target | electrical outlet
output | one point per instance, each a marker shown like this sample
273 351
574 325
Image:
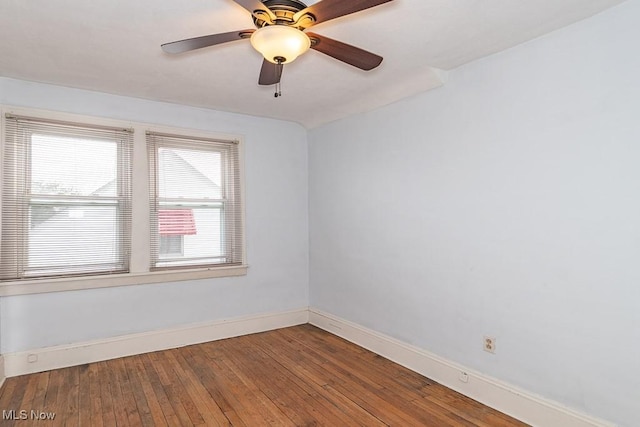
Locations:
464 377
489 344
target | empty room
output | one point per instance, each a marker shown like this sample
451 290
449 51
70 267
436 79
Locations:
320 212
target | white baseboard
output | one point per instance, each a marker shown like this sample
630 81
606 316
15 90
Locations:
504 397
62 356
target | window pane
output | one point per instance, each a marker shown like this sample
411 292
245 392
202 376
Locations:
191 174
73 238
171 246
202 246
73 166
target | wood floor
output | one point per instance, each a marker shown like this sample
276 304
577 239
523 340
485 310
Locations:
299 376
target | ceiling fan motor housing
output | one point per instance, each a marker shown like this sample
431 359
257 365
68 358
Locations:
284 10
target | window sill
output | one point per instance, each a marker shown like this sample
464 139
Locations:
39 286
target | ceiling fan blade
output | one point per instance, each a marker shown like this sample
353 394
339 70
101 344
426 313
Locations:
205 41
325 10
256 5
270 73
346 53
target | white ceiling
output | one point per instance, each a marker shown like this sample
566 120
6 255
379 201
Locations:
114 46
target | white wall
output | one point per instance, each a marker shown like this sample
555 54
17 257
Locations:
276 233
506 203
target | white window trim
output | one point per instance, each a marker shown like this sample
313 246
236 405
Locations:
140 260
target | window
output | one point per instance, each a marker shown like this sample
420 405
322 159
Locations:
195 207
69 220
66 199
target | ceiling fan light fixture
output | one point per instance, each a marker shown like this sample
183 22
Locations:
280 44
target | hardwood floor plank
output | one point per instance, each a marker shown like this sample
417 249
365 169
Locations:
214 386
84 396
29 392
71 386
386 374
143 385
329 399
95 400
212 413
363 392
51 396
266 409
103 373
269 379
280 390
129 404
171 388
42 383
298 376
161 397
115 390
240 394
18 393
7 391
361 388
142 404
12 396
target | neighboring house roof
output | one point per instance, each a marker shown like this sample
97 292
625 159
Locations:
183 176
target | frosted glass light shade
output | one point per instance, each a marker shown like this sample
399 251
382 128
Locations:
280 41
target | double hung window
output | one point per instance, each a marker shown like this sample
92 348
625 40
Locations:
67 209
66 199
195 204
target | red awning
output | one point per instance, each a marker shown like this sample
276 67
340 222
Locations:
176 222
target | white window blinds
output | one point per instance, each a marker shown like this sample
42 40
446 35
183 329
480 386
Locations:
66 199
195 202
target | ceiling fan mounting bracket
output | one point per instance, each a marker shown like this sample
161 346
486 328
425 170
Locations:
284 10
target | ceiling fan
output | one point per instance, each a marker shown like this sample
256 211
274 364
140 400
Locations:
281 34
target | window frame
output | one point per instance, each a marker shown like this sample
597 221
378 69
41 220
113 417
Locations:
140 250
23 148
228 150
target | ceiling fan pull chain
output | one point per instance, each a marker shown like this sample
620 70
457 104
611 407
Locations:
278 66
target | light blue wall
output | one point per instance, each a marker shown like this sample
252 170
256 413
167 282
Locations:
276 233
506 203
